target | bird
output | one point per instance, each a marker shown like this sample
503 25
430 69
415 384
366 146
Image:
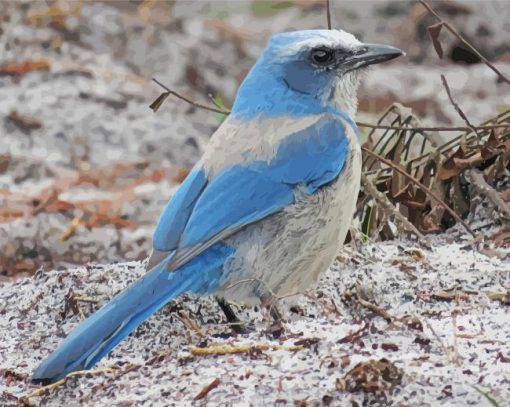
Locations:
264 211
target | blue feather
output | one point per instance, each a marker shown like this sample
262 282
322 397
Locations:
99 333
236 197
246 193
173 220
312 157
277 86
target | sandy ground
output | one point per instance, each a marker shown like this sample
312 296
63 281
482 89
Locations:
445 334
92 114
440 339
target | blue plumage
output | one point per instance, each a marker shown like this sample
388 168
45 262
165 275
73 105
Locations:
176 214
237 196
248 192
283 83
98 334
270 201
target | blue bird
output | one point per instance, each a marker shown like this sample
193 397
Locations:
266 208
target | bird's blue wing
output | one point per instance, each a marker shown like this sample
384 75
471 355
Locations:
173 220
247 192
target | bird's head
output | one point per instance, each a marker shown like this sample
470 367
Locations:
308 72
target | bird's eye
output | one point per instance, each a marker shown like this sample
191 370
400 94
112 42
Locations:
322 56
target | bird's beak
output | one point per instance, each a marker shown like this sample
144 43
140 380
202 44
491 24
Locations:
368 54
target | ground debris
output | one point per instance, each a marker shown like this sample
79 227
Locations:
24 122
24 67
372 376
207 388
300 364
248 348
503 298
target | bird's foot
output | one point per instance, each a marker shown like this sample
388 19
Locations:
239 327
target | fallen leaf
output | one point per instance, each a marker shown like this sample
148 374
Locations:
373 376
25 123
415 253
207 388
449 168
22 68
5 160
390 347
434 31
159 101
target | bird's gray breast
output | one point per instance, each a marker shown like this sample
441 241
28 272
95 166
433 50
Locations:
286 252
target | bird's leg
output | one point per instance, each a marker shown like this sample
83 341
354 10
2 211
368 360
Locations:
232 318
275 314
276 328
269 303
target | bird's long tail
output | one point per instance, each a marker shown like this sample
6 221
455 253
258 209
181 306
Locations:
98 334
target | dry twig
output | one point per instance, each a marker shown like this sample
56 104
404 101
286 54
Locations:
478 182
328 14
244 348
450 28
157 103
190 324
423 187
206 389
388 206
374 308
443 128
457 107
72 303
44 389
503 298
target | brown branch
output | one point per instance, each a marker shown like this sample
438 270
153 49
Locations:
382 127
206 389
188 323
423 187
477 179
457 107
360 124
328 14
187 100
242 348
375 309
44 389
388 206
464 41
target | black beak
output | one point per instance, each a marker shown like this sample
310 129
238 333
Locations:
368 54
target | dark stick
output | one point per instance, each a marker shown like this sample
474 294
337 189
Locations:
380 126
360 124
191 102
328 14
232 318
275 313
464 41
457 107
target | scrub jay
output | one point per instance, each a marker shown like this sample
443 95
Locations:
266 208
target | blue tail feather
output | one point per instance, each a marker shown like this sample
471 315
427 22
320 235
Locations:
99 333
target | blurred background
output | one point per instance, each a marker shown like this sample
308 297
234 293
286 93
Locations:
86 167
